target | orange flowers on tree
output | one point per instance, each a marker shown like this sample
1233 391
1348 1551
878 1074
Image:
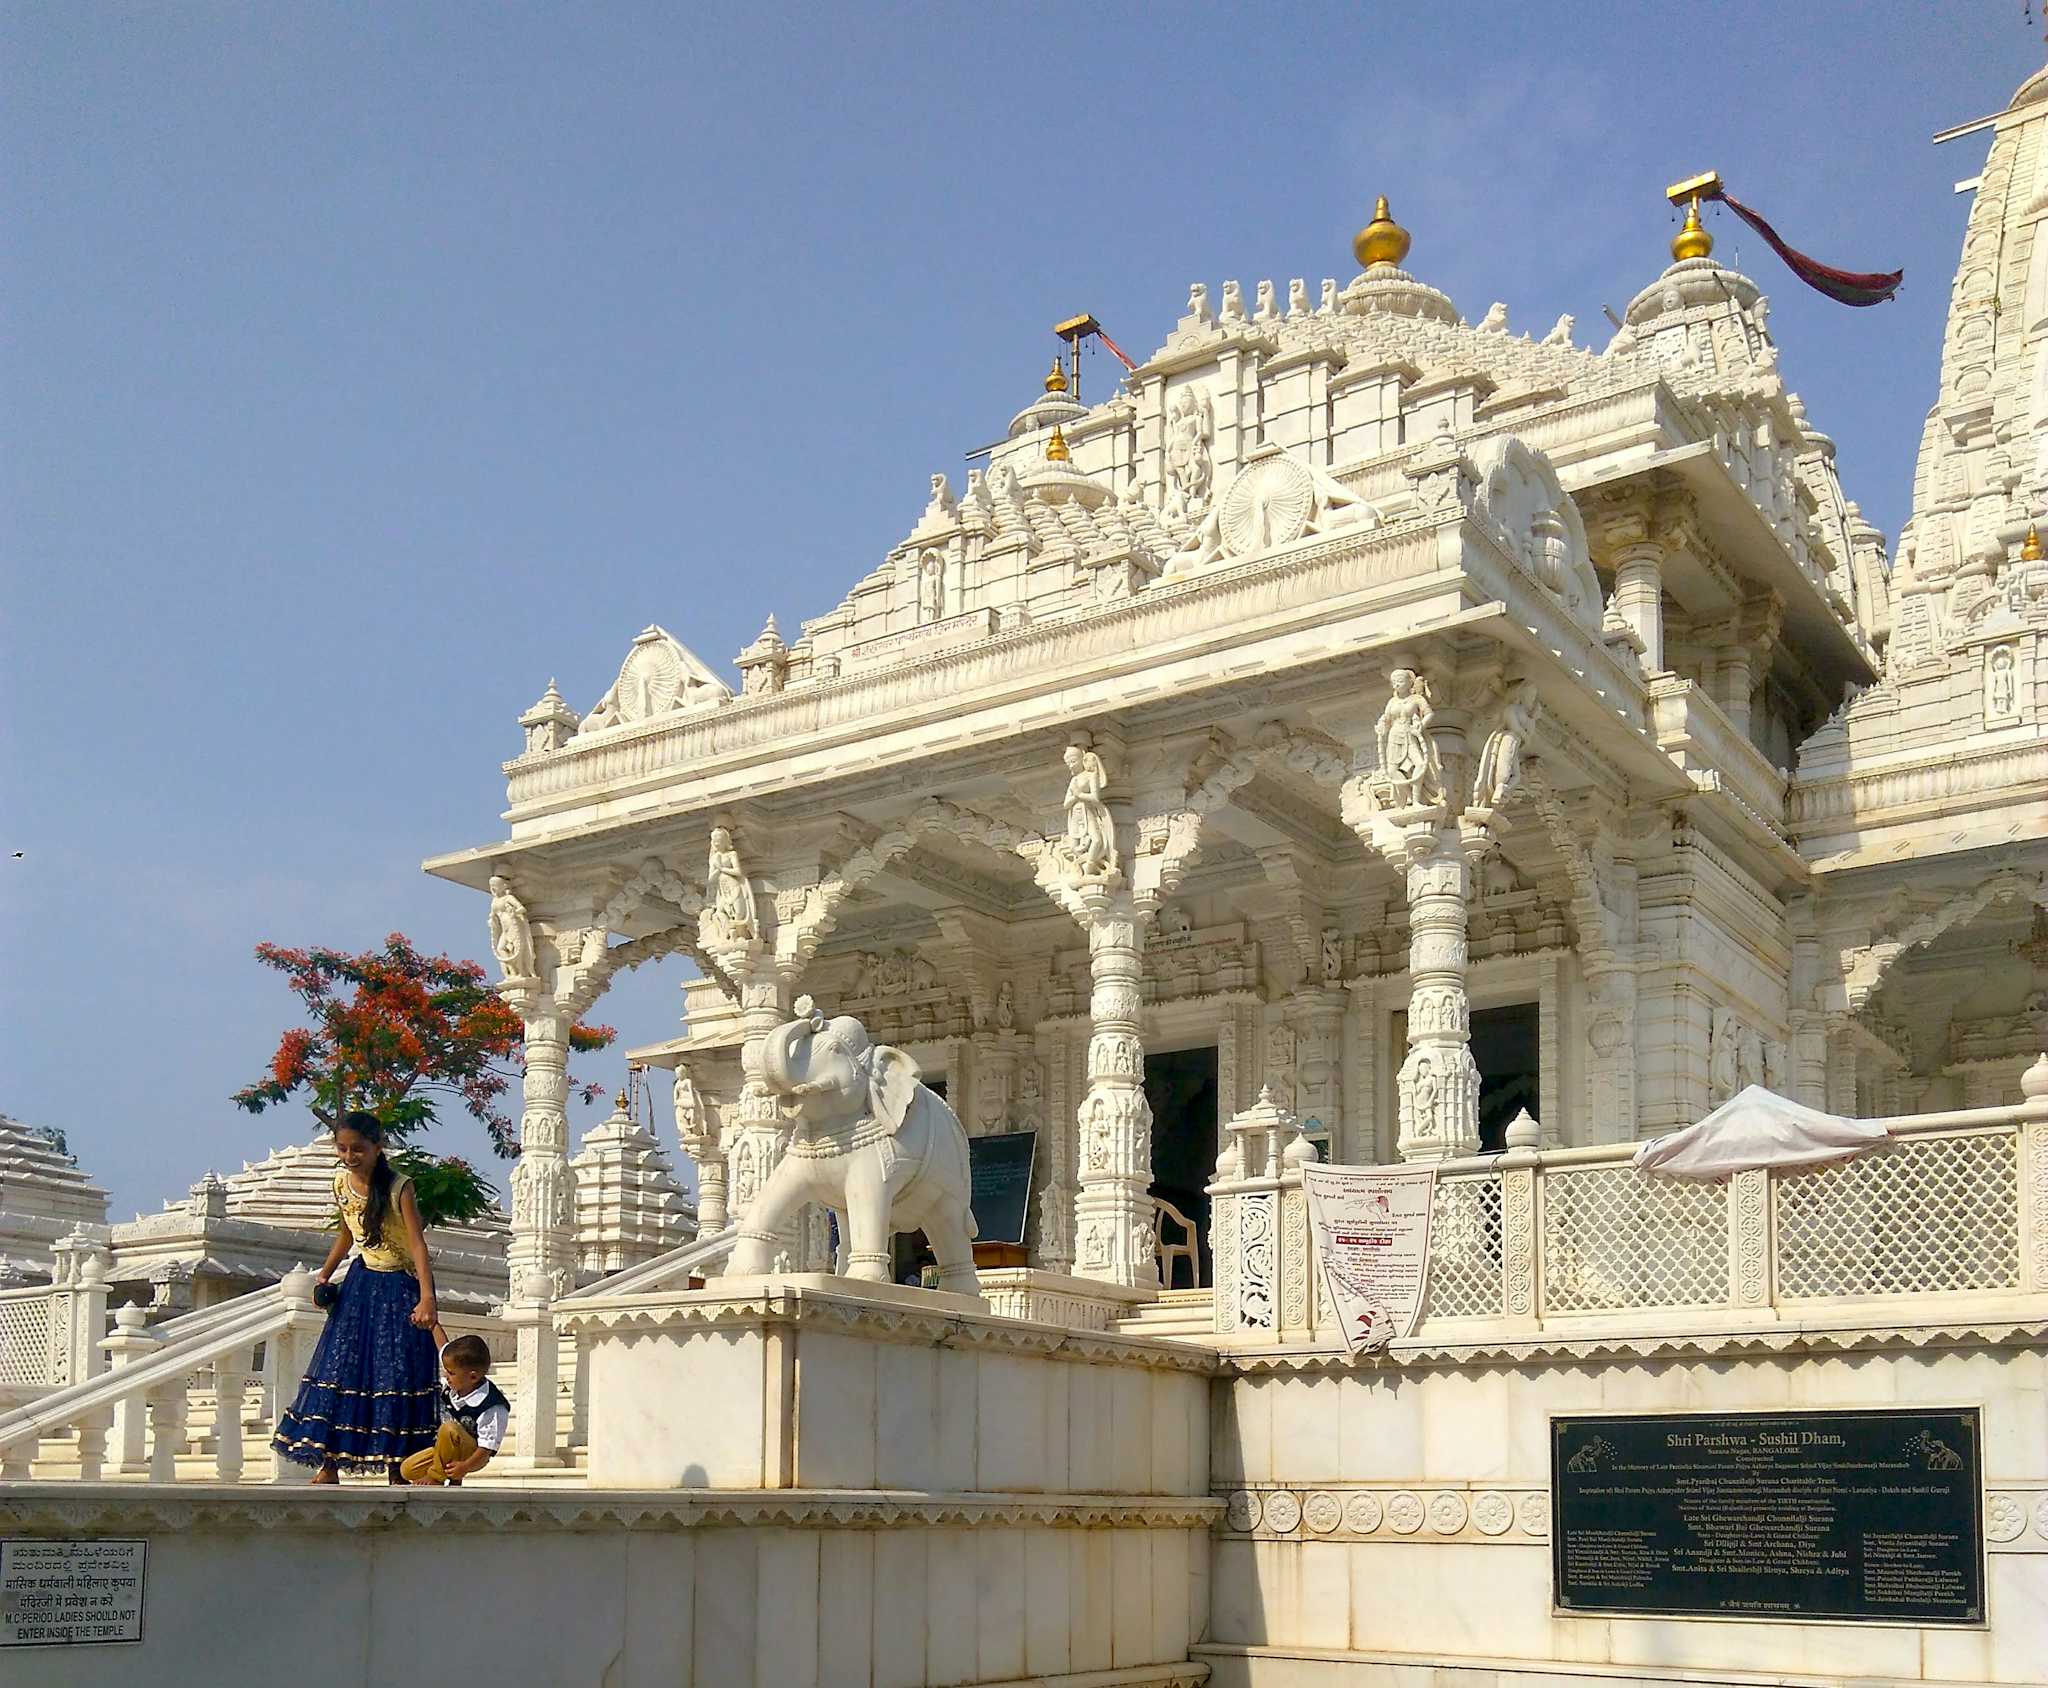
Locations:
399 1034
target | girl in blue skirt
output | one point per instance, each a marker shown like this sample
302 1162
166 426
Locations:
369 1397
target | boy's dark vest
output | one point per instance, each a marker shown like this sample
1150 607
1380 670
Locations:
453 1412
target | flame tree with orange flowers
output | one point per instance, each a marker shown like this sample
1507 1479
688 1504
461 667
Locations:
399 1034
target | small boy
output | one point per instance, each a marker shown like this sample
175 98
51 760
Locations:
474 1415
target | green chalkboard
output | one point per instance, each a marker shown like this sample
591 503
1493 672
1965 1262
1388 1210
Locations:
1000 1193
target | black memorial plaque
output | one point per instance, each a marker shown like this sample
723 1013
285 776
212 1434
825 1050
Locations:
1000 1188
1871 1514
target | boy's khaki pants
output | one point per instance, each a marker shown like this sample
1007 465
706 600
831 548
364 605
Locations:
430 1465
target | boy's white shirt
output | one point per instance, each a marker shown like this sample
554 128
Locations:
490 1425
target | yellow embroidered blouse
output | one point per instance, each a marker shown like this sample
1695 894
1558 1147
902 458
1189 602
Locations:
388 1252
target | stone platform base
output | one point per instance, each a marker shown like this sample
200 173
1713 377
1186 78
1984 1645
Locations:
812 1382
1275 1667
361 1589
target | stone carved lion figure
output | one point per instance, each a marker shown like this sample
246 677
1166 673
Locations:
871 1142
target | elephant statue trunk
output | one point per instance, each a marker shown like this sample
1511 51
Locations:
872 1142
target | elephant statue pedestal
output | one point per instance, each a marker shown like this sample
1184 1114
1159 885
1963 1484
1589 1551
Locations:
871 1142
809 1381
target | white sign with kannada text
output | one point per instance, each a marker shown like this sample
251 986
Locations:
64 1593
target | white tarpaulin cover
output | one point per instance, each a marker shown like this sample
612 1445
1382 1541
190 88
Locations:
1753 1128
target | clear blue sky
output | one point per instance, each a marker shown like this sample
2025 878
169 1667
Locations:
365 365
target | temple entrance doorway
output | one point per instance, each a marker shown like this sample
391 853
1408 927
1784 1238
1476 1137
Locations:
1180 1088
1507 1048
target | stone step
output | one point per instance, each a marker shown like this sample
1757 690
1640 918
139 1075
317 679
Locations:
1176 1313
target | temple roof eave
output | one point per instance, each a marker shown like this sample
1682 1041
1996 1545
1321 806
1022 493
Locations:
1037 678
1746 537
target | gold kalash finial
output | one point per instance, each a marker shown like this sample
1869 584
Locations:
1381 241
1056 448
2030 552
1056 381
1692 241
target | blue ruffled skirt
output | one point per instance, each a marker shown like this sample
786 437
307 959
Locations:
371 1395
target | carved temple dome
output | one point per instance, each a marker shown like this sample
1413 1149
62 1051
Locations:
1382 285
1055 409
1687 283
1057 481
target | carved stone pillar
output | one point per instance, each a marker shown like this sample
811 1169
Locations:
1359 1144
1319 1099
1438 1081
753 1137
543 1188
1841 1066
1113 1213
698 1135
1639 596
1240 1060
1056 1197
1610 1053
1807 1078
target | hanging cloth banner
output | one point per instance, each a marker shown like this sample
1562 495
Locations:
1847 287
1371 1226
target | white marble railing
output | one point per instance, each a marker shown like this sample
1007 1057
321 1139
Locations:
179 1398
1949 1215
50 1333
132 1419
28 1350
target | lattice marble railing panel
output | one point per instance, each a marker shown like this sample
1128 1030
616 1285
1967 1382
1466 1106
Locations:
1923 1215
1464 1250
25 1339
1615 1240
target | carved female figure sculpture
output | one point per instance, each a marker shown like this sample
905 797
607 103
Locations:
1091 841
730 897
511 937
1500 761
1408 756
689 1122
1426 1092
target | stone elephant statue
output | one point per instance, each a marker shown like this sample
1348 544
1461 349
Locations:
871 1142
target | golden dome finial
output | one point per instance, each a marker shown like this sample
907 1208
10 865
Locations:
1381 241
620 1102
1056 382
1692 241
1056 448
2030 552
